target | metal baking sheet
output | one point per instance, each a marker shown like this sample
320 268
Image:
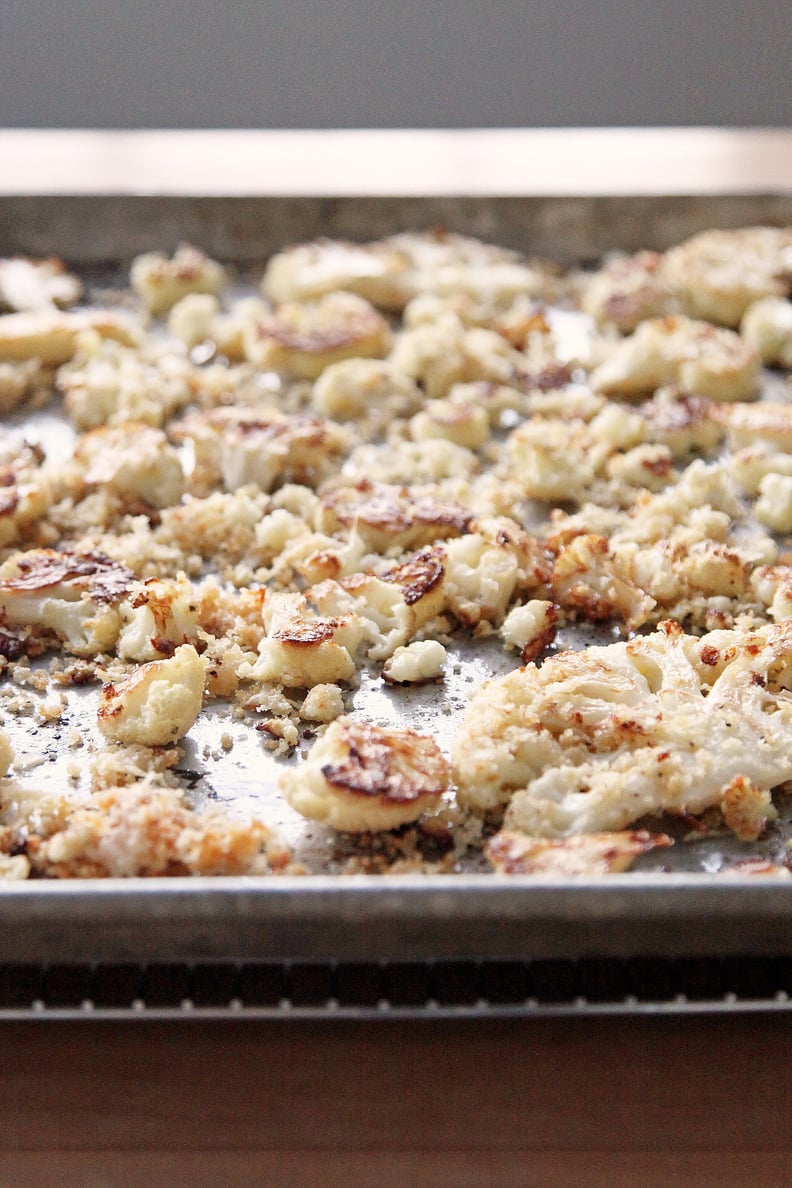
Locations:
407 917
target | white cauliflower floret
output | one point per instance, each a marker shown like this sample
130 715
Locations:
649 467
591 577
597 739
447 265
682 422
161 282
376 271
687 543
484 570
302 649
6 753
198 319
748 424
530 628
158 703
248 446
358 388
364 778
73 595
554 459
447 352
134 461
694 356
751 465
465 424
22 381
302 340
392 607
52 336
627 290
158 615
717 275
767 325
27 284
416 663
773 508
391 271
108 384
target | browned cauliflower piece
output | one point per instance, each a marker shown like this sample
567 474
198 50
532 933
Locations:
362 778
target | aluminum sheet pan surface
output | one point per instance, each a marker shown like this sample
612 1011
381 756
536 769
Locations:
650 911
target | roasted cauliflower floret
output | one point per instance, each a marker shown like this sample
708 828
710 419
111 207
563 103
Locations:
246 446
718 274
376 271
767 326
694 356
134 461
485 569
589 578
388 273
365 390
773 508
25 488
73 596
530 628
52 336
390 608
160 282
23 381
158 615
748 424
6 753
627 290
27 284
597 739
387 516
439 354
301 649
465 424
158 703
362 778
581 856
301 340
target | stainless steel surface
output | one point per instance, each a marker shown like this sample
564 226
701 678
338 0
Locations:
382 918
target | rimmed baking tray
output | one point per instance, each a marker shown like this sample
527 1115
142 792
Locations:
387 918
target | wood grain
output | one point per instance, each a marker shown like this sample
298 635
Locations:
704 1101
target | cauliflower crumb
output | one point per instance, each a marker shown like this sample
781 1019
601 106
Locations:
323 704
416 664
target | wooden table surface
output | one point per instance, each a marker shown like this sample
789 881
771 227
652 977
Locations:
600 1101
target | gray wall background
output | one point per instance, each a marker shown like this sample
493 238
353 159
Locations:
347 63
